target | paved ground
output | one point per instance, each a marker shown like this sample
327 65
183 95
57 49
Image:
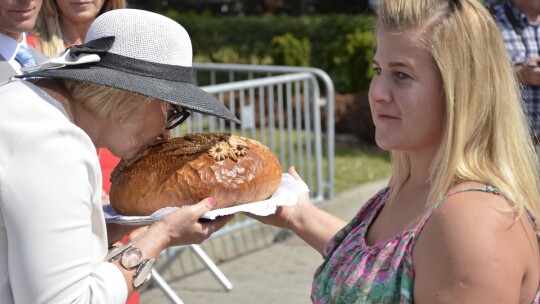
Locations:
275 272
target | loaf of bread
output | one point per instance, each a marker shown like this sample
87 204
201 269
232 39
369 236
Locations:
184 170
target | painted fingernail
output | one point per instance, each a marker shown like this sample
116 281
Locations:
212 201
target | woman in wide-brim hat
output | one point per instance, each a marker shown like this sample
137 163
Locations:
124 89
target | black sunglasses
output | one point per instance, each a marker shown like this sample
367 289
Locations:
178 116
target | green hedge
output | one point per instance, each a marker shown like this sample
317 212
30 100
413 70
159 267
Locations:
287 50
341 45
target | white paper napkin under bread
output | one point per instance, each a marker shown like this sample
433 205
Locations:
285 195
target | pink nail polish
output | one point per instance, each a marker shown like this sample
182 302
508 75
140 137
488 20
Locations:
212 201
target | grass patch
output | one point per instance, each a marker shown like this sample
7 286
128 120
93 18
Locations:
355 165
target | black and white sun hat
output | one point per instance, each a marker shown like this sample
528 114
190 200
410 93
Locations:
136 51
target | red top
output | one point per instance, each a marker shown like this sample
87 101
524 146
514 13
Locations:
107 161
31 39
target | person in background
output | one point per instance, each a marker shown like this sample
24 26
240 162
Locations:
457 222
17 18
519 24
373 4
63 23
53 235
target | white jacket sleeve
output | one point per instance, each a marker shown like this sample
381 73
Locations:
50 200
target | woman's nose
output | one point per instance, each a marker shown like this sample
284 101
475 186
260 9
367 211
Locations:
378 91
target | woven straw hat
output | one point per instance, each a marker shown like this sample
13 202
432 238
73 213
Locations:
136 51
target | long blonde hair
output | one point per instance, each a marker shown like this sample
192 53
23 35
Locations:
48 30
486 136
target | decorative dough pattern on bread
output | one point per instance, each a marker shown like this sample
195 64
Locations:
184 170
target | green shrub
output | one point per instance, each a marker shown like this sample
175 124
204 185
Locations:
287 50
331 38
359 49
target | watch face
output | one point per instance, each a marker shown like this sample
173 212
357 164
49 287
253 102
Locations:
132 258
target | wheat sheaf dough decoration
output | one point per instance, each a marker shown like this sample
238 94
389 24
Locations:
184 170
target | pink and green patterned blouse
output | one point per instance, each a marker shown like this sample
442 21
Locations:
353 272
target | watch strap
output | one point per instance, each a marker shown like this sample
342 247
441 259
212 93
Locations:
142 276
116 252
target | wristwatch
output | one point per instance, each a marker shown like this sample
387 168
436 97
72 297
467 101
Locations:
132 257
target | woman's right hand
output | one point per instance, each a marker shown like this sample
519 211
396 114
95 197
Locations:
315 226
287 216
529 73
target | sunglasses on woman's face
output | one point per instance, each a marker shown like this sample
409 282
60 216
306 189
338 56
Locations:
176 117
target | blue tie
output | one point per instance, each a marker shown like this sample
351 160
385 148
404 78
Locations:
24 58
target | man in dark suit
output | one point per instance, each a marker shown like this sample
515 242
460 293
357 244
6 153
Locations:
16 18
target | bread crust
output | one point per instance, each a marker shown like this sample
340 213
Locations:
184 170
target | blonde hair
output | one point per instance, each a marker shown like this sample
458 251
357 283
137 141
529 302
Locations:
48 30
102 101
486 136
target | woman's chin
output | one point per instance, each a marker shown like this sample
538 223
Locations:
384 144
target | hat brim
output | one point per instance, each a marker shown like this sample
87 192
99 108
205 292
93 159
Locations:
183 94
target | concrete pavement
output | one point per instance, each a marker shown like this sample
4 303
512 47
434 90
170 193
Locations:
279 269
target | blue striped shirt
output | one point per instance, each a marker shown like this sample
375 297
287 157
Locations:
522 45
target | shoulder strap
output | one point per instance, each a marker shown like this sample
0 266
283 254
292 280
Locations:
486 188
418 229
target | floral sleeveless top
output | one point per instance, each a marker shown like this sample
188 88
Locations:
353 272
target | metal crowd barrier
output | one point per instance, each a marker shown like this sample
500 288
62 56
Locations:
317 95
280 107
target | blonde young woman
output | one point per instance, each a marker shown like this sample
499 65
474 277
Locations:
458 221
63 23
